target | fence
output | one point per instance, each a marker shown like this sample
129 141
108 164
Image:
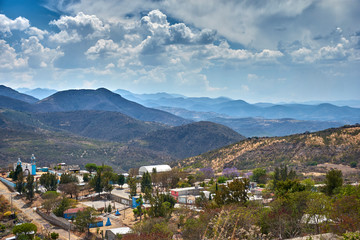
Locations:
60 222
11 185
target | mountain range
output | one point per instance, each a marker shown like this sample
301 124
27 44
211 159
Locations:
259 119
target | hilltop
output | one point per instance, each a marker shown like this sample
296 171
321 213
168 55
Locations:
104 100
335 145
189 140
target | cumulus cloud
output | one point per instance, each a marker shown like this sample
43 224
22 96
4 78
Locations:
9 59
38 55
73 29
102 48
34 31
7 24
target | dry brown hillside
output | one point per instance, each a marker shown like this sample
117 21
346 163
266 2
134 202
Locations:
335 145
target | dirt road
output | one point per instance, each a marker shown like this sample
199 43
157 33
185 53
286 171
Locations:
43 225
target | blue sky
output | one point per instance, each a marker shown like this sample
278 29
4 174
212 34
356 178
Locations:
274 50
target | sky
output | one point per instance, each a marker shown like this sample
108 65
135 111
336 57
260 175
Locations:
255 50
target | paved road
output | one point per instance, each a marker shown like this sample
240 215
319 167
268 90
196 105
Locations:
36 218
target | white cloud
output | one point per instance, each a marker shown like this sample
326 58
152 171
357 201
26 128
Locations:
9 60
65 37
38 55
333 52
34 31
74 29
102 48
6 24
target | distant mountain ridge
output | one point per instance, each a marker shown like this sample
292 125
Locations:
230 108
9 92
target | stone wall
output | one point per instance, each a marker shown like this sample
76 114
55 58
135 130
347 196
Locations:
57 221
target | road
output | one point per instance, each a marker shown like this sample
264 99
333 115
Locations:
42 224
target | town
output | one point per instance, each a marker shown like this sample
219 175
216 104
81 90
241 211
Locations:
158 202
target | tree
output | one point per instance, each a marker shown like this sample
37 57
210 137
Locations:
18 170
234 192
70 188
96 182
231 172
282 174
132 185
64 205
333 182
91 167
138 210
29 188
162 205
20 185
25 229
51 200
146 182
121 180
49 181
68 178
317 210
54 235
86 177
288 186
259 176
84 218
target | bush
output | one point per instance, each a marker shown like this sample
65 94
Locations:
353 164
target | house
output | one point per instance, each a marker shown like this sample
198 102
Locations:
71 212
98 222
176 192
158 168
110 234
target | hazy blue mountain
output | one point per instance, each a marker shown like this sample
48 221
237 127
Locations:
104 100
40 93
9 92
261 127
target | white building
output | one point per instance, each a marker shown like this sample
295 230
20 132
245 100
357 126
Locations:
110 234
159 168
27 168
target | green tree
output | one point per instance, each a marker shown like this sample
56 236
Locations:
317 210
64 204
161 205
96 182
132 185
288 186
91 167
84 218
259 176
17 171
68 178
283 174
29 188
121 180
234 192
333 182
54 235
138 210
49 181
25 230
20 185
146 182
51 200
86 177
